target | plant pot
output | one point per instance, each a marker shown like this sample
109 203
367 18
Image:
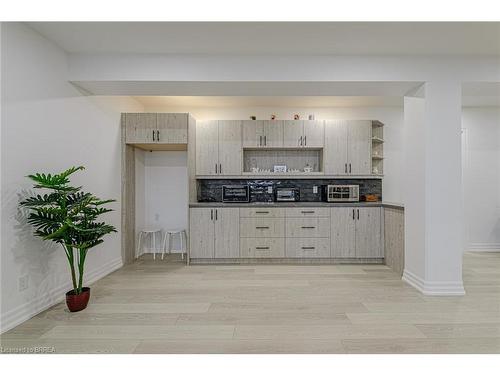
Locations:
77 302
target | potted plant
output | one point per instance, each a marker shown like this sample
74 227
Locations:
68 216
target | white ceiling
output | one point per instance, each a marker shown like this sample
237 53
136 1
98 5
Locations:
323 38
268 101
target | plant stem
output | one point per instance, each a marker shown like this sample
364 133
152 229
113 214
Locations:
81 265
69 254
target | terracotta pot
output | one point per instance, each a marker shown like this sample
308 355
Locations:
77 302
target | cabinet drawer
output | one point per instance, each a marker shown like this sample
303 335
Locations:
308 227
308 212
262 227
262 247
262 212
308 247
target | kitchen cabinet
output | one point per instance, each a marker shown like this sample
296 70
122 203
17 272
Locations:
259 133
207 147
172 128
308 247
347 147
159 128
214 233
218 147
356 232
262 247
369 232
298 133
140 127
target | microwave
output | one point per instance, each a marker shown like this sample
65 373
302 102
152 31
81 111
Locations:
342 193
287 195
235 193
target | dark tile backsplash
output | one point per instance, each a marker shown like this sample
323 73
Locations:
211 190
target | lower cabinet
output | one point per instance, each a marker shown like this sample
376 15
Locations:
214 232
262 247
308 248
331 232
356 232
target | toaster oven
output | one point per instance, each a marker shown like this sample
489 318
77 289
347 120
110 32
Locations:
342 193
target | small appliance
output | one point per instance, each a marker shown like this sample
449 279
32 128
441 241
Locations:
235 193
287 195
342 193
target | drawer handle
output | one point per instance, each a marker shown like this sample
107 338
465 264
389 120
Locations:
308 227
261 227
261 212
262 248
307 212
308 248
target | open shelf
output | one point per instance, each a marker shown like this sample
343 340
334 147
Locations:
295 161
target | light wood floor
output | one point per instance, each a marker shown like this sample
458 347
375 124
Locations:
166 307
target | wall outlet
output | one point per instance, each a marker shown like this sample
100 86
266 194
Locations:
23 283
269 190
315 190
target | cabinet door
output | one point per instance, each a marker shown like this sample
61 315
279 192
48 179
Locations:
314 133
172 128
207 148
335 151
293 133
253 133
368 232
343 232
359 147
201 233
273 133
227 233
230 147
140 127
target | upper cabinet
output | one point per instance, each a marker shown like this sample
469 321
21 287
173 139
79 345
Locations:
298 133
218 148
348 147
158 128
172 127
262 133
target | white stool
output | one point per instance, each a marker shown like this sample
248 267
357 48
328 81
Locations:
146 233
167 237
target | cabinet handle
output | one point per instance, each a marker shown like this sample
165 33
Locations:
345 168
262 248
261 227
215 168
358 213
349 167
265 140
261 212
157 136
307 212
260 140
308 248
211 214
216 214
300 141
308 227
220 168
153 135
353 217
305 140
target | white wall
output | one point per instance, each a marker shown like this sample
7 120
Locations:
48 126
482 177
392 117
164 193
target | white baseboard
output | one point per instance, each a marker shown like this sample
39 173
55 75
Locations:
489 247
20 314
433 288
